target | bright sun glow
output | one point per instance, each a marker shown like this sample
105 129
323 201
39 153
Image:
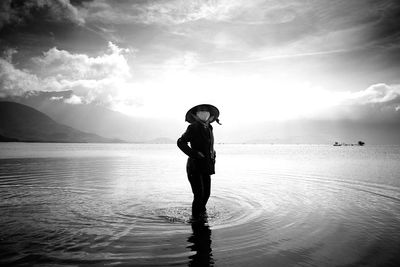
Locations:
251 98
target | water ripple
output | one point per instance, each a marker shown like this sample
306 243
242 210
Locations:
119 211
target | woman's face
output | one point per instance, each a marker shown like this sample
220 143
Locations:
203 115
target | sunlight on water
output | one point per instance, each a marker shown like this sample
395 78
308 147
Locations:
271 205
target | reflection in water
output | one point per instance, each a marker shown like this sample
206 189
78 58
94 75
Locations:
200 243
272 205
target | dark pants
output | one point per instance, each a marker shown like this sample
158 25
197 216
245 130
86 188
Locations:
201 186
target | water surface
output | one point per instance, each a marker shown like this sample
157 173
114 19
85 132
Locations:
129 205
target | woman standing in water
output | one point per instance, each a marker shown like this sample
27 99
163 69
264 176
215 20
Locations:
201 161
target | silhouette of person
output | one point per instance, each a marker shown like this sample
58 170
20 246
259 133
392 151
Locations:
201 161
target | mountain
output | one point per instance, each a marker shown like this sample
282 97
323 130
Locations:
99 120
161 140
7 139
111 124
22 123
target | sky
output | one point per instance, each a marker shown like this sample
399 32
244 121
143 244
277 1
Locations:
255 60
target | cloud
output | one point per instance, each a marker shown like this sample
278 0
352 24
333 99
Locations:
243 30
377 94
102 80
378 102
14 82
186 61
176 12
170 12
106 80
324 14
180 11
73 100
18 12
8 54
64 65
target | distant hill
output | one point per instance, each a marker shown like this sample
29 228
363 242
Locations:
104 122
22 123
7 139
99 120
161 140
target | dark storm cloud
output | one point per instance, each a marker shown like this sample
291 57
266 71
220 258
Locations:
215 29
387 28
79 2
384 35
242 24
35 26
361 22
20 12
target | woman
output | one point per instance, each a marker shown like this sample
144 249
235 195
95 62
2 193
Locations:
201 161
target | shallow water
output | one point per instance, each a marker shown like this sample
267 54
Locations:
129 205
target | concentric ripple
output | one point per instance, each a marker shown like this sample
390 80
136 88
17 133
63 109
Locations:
270 209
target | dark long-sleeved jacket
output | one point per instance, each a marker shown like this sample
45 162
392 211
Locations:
201 139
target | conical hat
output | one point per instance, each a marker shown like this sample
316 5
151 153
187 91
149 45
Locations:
210 108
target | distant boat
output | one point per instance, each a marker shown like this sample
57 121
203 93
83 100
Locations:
359 143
